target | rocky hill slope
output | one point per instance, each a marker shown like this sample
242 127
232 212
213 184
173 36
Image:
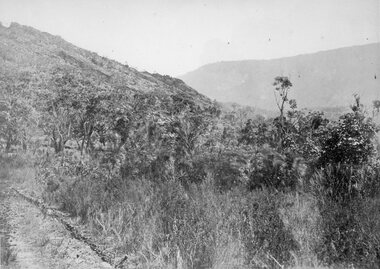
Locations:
24 50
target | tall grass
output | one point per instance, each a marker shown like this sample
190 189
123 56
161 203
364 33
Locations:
300 213
164 224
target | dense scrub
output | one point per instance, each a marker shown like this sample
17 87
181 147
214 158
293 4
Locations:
173 184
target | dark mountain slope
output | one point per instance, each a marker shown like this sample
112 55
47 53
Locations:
41 55
327 78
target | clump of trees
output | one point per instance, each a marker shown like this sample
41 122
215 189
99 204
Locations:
17 115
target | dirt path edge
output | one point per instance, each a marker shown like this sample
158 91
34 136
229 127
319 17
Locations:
59 216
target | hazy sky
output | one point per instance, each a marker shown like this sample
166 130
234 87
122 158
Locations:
175 36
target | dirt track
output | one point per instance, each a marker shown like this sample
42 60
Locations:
31 239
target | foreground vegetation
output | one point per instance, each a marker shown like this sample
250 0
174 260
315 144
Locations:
173 184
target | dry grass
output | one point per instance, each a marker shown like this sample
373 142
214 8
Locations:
301 216
160 224
165 226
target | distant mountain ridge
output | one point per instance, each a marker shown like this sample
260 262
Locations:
41 55
322 79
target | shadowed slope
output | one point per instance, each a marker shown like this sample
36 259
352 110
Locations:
327 78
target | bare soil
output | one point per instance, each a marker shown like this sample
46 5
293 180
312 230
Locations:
31 239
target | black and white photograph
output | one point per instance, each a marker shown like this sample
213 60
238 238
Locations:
189 134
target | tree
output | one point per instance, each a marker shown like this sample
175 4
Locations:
59 109
376 108
282 86
16 112
73 108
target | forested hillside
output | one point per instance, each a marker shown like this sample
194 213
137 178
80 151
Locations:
323 79
161 177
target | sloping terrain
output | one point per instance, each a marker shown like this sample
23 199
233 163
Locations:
41 56
322 79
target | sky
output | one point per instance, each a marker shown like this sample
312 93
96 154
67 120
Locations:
176 36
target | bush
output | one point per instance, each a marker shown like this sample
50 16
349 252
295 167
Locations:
349 141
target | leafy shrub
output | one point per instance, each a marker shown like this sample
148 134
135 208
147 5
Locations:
267 168
350 140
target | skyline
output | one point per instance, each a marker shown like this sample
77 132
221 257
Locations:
175 37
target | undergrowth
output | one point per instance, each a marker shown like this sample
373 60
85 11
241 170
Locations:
165 225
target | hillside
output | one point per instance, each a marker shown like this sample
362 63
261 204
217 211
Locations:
39 55
102 166
322 79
